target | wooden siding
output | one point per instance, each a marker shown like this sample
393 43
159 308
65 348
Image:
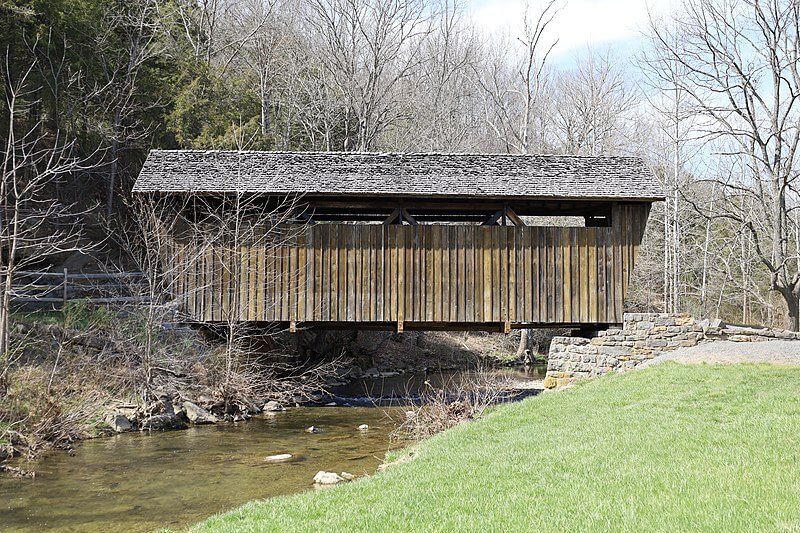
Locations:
419 274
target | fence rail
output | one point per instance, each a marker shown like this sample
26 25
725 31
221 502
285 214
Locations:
62 287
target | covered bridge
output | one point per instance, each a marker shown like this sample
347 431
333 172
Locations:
428 241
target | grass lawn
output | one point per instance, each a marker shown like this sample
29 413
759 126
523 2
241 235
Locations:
668 448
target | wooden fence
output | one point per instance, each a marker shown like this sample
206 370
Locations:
431 274
59 288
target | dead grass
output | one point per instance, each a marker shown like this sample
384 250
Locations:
464 397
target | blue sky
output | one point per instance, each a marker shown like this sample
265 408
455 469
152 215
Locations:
601 24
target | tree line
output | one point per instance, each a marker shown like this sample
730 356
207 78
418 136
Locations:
710 102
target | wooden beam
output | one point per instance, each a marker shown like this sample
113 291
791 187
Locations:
514 218
407 216
393 216
493 219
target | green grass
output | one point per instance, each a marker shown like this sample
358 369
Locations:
667 448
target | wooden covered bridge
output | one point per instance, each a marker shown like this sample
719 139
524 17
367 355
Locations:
401 241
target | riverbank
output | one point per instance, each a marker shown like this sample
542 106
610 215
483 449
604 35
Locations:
669 447
142 481
86 372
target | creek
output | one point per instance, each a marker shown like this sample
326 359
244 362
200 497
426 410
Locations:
146 481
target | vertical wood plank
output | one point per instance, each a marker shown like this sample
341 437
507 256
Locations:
500 274
445 283
592 273
394 262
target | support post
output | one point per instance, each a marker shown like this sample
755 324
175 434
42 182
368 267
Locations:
399 326
292 327
66 280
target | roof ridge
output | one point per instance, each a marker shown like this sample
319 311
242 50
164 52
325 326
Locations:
383 153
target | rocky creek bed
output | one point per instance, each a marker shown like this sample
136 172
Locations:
140 481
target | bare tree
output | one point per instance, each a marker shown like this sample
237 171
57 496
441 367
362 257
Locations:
218 30
513 78
442 107
513 93
127 41
742 77
367 47
34 226
593 102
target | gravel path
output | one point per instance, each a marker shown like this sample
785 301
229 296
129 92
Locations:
773 352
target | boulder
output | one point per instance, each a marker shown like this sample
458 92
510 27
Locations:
248 407
279 458
118 422
210 403
163 422
198 415
327 478
272 406
363 427
165 399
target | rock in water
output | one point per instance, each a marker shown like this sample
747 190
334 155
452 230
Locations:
363 427
163 422
312 429
198 415
272 406
327 478
118 422
347 476
280 458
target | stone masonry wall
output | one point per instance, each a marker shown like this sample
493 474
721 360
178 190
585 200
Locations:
642 337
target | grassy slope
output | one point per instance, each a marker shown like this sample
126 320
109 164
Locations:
671 447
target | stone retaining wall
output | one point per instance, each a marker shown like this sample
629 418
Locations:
642 337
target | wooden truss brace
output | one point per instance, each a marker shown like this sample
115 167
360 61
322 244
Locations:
398 216
502 216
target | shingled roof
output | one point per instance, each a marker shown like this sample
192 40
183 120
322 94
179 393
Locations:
398 175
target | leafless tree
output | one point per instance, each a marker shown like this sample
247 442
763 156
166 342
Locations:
742 77
34 226
366 47
218 30
116 92
592 104
442 107
513 78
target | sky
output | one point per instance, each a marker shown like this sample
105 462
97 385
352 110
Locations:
601 24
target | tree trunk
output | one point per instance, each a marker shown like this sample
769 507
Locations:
5 311
5 333
793 305
524 352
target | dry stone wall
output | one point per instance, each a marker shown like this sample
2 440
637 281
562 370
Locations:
641 337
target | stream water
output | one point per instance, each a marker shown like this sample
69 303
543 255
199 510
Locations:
141 481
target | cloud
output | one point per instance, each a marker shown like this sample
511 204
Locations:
578 24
